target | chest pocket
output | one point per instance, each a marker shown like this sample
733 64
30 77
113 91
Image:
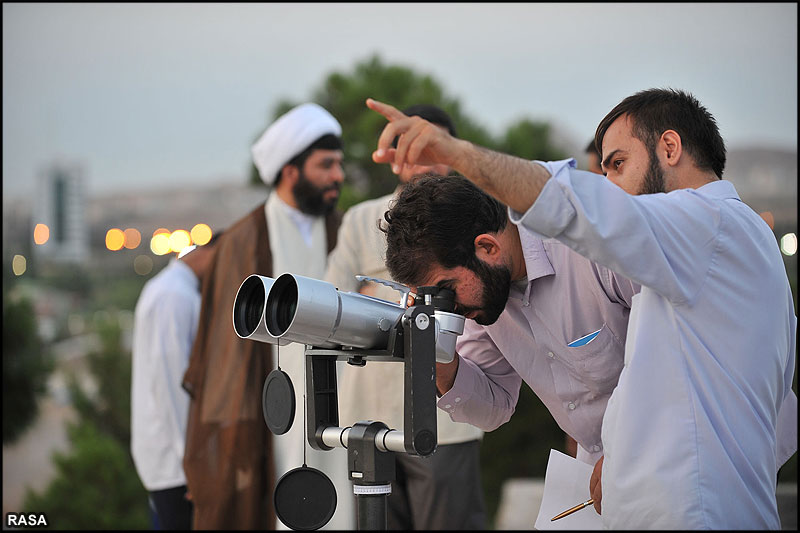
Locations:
598 363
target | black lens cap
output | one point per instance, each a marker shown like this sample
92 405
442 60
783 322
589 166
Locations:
305 499
277 402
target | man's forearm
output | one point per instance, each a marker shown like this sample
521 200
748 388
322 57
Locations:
446 375
513 181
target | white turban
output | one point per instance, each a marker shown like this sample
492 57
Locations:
288 136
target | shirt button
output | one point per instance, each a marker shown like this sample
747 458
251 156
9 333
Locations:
596 448
448 406
526 304
458 400
550 355
571 405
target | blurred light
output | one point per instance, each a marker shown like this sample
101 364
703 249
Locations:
159 244
132 238
19 265
789 244
41 234
179 240
201 234
115 239
159 231
142 265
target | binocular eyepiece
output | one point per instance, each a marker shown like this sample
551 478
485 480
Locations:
294 308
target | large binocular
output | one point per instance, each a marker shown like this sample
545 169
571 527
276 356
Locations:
309 311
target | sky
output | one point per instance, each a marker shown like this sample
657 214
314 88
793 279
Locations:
145 96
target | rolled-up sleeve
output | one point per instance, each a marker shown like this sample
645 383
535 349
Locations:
486 387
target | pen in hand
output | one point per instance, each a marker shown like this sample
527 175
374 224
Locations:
573 509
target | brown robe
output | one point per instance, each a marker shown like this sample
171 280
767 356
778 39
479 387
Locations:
228 458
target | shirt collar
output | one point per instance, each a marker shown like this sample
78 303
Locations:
537 264
722 189
187 271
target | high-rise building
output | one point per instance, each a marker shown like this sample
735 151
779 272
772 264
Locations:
60 205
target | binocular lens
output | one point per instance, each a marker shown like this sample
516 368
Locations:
282 306
248 314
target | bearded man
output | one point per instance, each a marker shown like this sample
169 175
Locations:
232 461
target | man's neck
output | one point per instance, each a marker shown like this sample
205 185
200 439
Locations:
691 178
518 268
286 196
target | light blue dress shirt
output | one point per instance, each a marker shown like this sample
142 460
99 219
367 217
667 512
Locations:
689 433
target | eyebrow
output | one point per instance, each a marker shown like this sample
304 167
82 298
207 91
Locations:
608 159
330 160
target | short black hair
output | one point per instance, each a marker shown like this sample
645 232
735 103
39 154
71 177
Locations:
328 141
436 219
431 113
653 111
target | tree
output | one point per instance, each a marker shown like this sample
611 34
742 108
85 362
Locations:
530 139
26 366
345 94
109 408
96 484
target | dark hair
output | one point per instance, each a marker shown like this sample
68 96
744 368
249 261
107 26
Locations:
654 111
431 113
328 141
436 219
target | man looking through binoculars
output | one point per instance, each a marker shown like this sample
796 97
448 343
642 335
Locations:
443 491
527 299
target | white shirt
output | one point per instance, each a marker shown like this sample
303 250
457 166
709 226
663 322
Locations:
690 431
292 253
165 324
564 298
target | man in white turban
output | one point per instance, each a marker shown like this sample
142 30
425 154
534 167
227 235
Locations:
232 461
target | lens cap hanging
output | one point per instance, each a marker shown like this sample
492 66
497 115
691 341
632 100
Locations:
305 499
277 402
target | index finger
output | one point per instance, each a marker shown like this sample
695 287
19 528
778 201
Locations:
390 112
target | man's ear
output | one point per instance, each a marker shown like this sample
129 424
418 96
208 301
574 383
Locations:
670 147
289 174
487 248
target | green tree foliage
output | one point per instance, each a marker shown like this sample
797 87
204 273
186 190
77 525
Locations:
26 366
96 484
95 488
529 139
344 94
109 408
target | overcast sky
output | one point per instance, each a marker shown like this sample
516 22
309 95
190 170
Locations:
146 95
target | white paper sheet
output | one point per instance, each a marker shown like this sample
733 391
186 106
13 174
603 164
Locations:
566 484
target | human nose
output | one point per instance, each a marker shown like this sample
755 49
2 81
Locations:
337 174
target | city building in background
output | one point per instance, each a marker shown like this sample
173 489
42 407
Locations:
60 228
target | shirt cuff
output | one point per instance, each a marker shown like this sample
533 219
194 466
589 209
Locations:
552 211
460 392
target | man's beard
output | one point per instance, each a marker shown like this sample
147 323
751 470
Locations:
654 178
311 199
496 286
